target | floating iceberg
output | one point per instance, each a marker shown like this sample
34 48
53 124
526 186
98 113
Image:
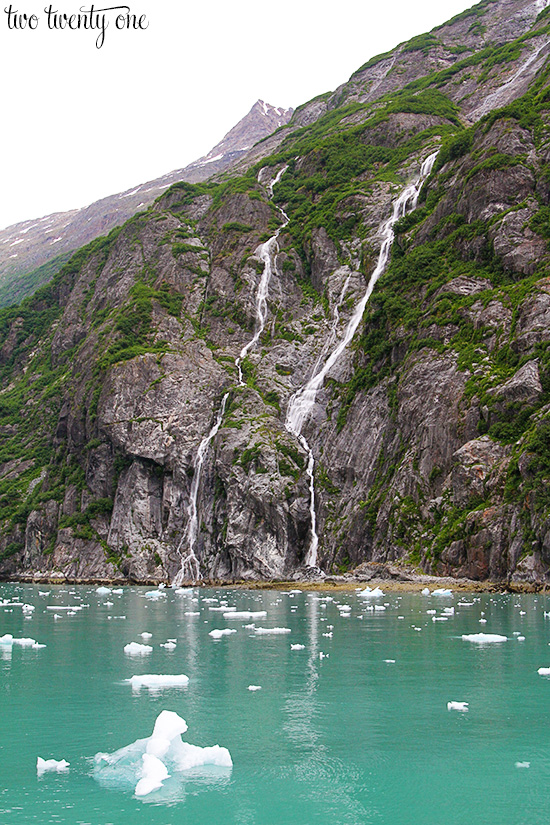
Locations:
147 763
254 687
135 649
442 591
246 614
168 645
297 647
426 591
103 591
155 682
367 593
146 635
544 671
462 706
523 764
484 638
217 634
51 766
274 631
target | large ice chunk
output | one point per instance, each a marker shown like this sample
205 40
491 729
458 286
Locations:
217 634
155 682
367 593
135 649
275 631
147 763
51 765
246 614
462 706
484 638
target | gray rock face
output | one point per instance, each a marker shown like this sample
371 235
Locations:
428 434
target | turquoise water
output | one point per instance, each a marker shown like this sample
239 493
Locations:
347 738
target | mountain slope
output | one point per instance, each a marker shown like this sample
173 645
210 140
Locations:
146 391
32 250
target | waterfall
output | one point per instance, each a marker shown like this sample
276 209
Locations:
190 567
267 252
302 402
190 564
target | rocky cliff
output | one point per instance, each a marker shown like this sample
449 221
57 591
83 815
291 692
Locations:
146 389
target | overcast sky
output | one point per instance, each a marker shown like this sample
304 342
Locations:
81 122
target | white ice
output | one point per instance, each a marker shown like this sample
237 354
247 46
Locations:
146 635
523 764
103 591
462 706
51 766
426 591
135 649
544 671
367 593
484 638
246 614
254 687
297 647
264 631
153 772
442 591
168 645
217 634
155 682
152 760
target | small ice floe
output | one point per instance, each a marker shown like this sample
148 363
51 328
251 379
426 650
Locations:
273 631
8 641
440 618
461 706
118 592
379 608
144 765
483 621
367 593
523 765
135 649
465 604
246 614
431 612
28 608
389 661
223 609
146 635
155 595
544 671
217 634
192 613
254 687
442 591
425 591
297 647
328 635
44 592
103 591
484 638
51 766
168 645
210 600
449 611
344 607
520 638
183 591
154 682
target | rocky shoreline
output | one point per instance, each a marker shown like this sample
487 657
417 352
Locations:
393 578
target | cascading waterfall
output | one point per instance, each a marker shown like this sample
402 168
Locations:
267 252
190 565
303 401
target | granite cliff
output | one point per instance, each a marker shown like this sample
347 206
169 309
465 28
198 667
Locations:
145 395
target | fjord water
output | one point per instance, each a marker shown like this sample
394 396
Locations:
347 738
